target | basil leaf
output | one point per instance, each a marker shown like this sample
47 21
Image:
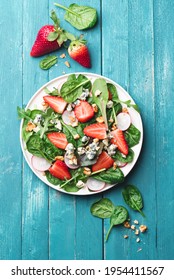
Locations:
52 36
132 136
118 217
48 62
102 99
133 198
110 176
102 208
81 17
128 158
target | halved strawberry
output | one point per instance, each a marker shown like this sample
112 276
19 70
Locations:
96 130
120 141
84 111
104 161
58 104
60 170
58 139
109 95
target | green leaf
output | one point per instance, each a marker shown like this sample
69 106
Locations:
81 17
110 176
55 92
61 38
113 91
70 36
102 208
53 180
132 136
128 158
133 198
47 62
35 146
55 19
24 114
52 36
26 134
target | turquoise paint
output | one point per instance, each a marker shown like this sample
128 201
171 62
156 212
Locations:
132 44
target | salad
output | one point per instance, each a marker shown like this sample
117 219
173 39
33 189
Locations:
81 135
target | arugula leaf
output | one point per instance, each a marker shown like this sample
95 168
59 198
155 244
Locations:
101 100
55 91
22 114
110 176
81 17
132 136
70 132
47 62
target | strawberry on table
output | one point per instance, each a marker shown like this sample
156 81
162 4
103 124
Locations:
60 170
80 53
120 141
58 139
84 111
104 161
58 104
96 130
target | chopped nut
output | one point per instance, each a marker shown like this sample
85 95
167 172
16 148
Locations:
111 120
67 64
136 222
87 171
72 119
114 127
143 228
138 240
137 231
30 126
96 140
126 236
63 55
133 227
126 224
74 124
100 119
77 136
125 110
95 108
45 105
114 165
60 158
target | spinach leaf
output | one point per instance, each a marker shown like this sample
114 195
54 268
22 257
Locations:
81 17
35 146
113 91
72 88
102 208
53 180
101 100
35 112
133 198
54 92
47 62
110 112
118 217
50 150
132 136
81 78
110 176
128 158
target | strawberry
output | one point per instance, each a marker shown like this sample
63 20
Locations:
109 95
84 111
60 170
104 161
119 140
49 38
58 104
79 52
96 130
58 139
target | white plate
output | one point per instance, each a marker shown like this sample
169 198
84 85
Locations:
35 103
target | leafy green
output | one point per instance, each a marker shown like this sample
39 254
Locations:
102 208
35 146
73 87
110 176
24 114
54 92
81 17
102 99
48 115
132 136
128 158
133 198
118 217
53 180
113 91
47 62
26 134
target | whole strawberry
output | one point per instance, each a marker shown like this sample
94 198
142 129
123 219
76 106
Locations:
79 52
49 38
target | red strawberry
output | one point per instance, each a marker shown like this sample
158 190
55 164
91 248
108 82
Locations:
60 170
104 161
79 52
109 95
58 139
58 104
96 130
84 111
119 141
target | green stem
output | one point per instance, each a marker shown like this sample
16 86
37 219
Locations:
115 117
141 212
107 235
68 181
65 8
98 171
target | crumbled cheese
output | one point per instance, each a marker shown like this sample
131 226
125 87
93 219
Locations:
84 95
77 136
80 184
97 92
138 240
125 236
109 104
112 149
77 102
70 147
85 139
136 222
69 107
137 231
37 119
63 55
36 129
58 125
81 151
133 227
67 64
91 154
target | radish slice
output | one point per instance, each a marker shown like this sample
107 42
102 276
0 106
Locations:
95 185
69 117
71 166
40 164
120 164
123 121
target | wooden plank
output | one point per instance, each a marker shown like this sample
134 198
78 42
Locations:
164 68
35 193
132 66
73 232
10 155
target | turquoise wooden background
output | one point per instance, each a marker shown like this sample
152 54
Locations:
133 44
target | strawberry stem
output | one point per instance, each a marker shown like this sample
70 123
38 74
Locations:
65 8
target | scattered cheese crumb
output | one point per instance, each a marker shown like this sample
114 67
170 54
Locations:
63 55
136 222
126 236
67 64
140 249
138 240
77 136
137 231
133 227
97 92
